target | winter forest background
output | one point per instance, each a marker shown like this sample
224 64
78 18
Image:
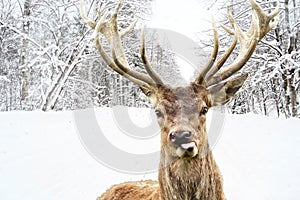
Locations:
48 60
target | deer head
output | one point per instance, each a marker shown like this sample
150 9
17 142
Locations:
181 111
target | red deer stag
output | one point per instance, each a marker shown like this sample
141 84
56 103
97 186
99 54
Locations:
187 169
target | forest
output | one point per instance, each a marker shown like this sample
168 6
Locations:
49 61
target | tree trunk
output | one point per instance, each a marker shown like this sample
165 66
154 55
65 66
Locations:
264 101
291 34
54 92
293 94
275 96
286 93
25 54
253 104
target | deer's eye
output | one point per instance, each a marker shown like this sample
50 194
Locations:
203 111
158 113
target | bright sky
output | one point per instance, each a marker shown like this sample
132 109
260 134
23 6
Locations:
185 17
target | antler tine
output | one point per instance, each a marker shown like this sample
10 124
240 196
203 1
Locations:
129 28
87 20
110 32
109 61
201 76
109 29
220 62
260 26
152 73
264 18
98 9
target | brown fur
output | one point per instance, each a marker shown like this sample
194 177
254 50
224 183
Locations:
148 190
191 179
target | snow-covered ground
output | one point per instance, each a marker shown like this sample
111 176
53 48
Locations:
42 157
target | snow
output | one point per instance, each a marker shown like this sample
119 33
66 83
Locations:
43 157
5 79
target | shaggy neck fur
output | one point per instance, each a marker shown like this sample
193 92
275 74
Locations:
195 178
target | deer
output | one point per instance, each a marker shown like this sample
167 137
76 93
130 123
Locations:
187 169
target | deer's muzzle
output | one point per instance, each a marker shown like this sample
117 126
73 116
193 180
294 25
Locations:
185 146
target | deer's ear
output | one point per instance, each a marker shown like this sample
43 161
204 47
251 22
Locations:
222 92
147 90
150 93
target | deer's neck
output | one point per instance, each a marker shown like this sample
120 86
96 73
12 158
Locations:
190 179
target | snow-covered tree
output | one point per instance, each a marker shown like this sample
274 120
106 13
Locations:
273 85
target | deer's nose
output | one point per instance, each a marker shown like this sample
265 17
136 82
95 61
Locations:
180 137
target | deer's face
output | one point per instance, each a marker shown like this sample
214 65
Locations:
181 114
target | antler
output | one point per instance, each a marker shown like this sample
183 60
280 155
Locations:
109 29
260 26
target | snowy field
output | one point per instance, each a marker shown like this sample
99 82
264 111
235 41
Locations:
42 157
